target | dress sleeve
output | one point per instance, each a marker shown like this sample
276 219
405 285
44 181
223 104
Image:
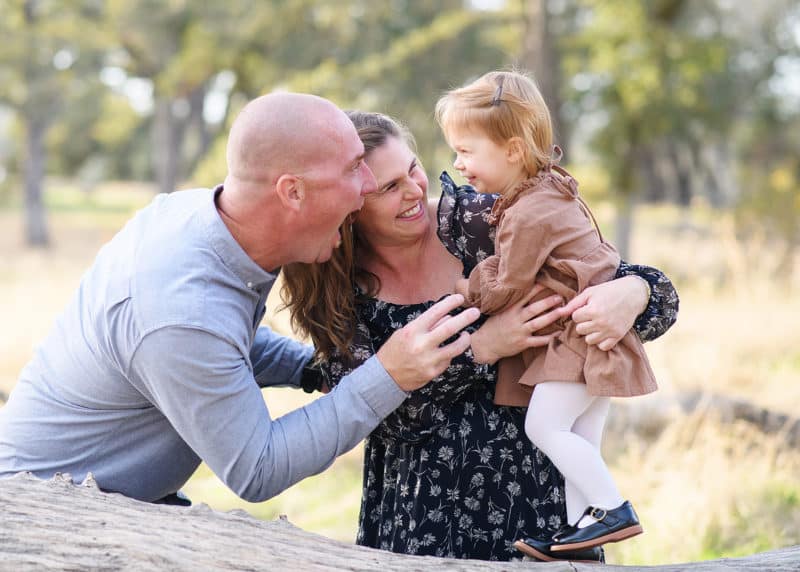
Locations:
662 309
464 227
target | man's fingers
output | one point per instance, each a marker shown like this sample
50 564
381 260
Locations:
433 315
455 348
454 324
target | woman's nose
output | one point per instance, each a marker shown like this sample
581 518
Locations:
413 189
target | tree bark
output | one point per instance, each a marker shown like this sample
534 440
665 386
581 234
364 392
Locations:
56 525
36 233
166 146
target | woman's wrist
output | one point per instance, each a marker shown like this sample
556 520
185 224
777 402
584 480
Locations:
481 350
642 286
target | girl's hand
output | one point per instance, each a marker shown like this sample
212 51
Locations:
606 312
513 330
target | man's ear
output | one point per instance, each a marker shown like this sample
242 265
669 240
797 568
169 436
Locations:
291 191
515 150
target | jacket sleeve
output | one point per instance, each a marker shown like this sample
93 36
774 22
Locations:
528 234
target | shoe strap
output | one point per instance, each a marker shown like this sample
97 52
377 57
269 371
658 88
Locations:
602 515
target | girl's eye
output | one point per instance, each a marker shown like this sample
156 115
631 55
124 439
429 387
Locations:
387 188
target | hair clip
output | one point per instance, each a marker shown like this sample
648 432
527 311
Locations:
498 94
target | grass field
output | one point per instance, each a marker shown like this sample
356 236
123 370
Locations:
703 489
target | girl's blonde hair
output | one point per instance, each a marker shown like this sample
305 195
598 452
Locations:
501 105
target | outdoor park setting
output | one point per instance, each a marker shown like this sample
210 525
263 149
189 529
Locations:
679 118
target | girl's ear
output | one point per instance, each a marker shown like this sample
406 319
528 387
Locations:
515 150
291 191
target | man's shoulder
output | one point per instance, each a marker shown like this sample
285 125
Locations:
178 276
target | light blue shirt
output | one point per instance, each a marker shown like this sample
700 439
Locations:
156 364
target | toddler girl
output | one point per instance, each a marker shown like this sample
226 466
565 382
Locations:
500 129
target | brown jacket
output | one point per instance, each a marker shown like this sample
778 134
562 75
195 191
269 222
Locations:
545 235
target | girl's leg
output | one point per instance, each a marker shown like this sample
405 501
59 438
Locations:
555 408
590 426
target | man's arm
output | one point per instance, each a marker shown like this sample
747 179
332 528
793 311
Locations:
203 386
278 360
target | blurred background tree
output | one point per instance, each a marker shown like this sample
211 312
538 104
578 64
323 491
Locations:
49 59
678 115
668 100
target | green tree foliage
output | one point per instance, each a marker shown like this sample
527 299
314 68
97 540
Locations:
48 56
651 72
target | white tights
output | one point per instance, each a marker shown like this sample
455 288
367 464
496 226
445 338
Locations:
566 424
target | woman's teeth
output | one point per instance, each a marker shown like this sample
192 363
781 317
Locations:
413 211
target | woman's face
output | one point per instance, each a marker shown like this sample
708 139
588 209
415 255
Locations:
398 211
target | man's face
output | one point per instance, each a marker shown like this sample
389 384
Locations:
335 188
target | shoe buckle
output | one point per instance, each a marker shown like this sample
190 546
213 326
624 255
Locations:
598 513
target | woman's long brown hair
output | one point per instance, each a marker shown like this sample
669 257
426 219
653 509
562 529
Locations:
321 297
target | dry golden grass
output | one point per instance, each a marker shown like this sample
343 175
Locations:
703 489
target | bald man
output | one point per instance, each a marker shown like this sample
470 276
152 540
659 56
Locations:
156 363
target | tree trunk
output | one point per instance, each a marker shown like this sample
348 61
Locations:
540 55
166 152
56 525
36 233
197 124
624 225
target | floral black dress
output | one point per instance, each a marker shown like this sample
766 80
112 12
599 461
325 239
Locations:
449 473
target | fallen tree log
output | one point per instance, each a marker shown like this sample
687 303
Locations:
648 418
57 525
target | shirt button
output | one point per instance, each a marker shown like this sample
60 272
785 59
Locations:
250 285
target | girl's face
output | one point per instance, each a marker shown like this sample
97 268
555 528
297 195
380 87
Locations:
398 210
487 166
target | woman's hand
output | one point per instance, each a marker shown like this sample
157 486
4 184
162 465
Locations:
606 312
513 330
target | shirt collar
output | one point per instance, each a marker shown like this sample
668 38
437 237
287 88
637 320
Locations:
230 252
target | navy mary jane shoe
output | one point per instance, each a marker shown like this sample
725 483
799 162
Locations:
540 550
612 525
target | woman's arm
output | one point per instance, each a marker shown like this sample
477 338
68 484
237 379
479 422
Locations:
641 297
513 330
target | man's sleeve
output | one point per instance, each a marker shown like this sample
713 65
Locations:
204 387
278 360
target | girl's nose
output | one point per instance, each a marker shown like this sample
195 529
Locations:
457 163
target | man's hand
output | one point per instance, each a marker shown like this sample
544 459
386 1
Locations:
412 355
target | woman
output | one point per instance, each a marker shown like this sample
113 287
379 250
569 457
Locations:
443 474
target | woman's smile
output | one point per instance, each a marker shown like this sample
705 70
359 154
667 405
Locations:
412 212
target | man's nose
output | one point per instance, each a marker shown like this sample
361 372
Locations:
370 184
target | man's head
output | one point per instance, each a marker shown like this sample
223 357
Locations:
300 155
